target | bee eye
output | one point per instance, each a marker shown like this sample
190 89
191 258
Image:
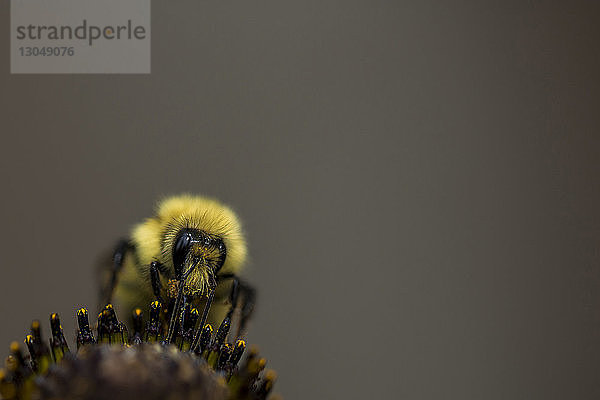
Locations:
180 250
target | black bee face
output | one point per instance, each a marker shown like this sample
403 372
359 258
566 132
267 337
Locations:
196 249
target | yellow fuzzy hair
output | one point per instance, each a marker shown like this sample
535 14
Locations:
154 237
153 240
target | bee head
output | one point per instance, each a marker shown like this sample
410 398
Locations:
197 258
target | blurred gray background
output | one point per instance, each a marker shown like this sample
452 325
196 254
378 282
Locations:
418 182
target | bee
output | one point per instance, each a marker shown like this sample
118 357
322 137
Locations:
189 253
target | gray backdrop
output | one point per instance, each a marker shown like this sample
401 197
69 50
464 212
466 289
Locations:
419 184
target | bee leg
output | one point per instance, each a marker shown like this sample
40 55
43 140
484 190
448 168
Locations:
233 296
121 250
248 295
247 306
248 302
155 268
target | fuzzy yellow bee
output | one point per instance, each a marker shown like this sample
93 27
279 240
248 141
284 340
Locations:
189 252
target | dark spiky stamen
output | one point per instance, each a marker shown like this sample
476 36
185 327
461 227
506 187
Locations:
138 326
17 381
222 332
36 331
58 343
38 350
184 341
219 339
123 334
154 327
241 383
18 360
175 314
8 388
30 343
266 384
196 345
205 339
110 330
236 355
84 334
211 296
178 307
224 355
